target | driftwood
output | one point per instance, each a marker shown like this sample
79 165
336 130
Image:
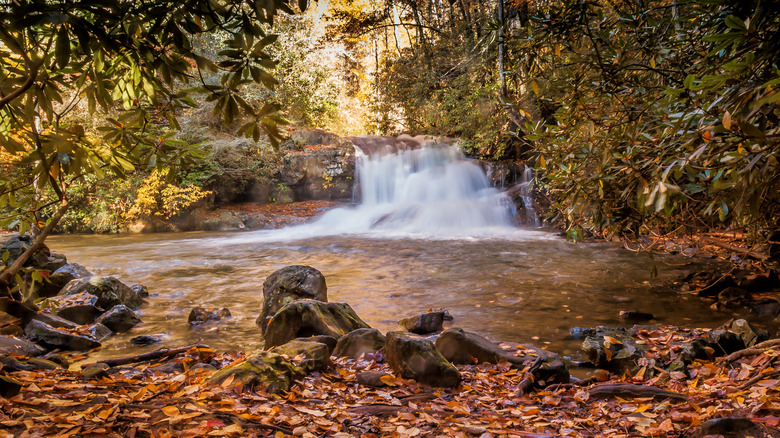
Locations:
153 355
528 381
628 390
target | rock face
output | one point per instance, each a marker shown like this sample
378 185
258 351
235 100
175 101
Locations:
424 324
45 334
415 357
109 291
119 318
462 347
307 355
358 342
266 371
288 284
200 315
304 318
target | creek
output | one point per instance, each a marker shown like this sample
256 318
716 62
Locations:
429 232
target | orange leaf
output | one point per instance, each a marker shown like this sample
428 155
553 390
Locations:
170 411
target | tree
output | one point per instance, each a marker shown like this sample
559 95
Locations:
130 60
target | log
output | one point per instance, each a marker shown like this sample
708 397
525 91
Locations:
153 355
628 390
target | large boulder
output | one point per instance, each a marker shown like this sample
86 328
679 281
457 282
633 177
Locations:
304 318
19 347
119 318
424 323
462 347
415 357
308 356
109 291
359 342
288 284
264 371
49 336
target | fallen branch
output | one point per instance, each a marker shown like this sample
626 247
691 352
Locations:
162 353
752 351
628 390
737 249
758 378
529 379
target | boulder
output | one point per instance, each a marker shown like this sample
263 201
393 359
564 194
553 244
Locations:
119 318
98 331
108 290
19 347
308 356
47 335
54 262
224 221
750 335
200 315
288 284
612 349
423 324
55 321
264 371
304 318
359 342
415 357
81 308
74 269
147 339
17 244
329 341
462 347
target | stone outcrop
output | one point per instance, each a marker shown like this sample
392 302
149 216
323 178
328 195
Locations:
264 371
109 291
288 284
415 357
304 318
359 342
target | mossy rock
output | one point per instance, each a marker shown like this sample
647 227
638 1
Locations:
264 371
307 355
285 285
358 342
415 357
304 318
109 291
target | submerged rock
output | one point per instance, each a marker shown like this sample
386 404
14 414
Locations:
264 371
415 357
200 315
304 318
147 339
307 355
635 316
431 322
288 284
119 318
108 290
47 335
359 342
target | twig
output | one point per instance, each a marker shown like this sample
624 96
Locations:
528 380
743 251
758 378
756 349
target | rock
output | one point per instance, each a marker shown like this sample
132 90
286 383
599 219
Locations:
257 221
282 194
308 356
99 332
725 341
225 221
109 291
580 333
330 341
766 307
372 378
635 316
733 297
53 284
17 244
288 284
760 282
730 427
462 347
43 364
95 370
9 386
141 290
415 357
45 334
359 342
264 371
81 308
10 325
55 321
715 288
750 335
200 315
119 318
612 349
304 318
58 359
54 262
74 269
147 339
424 324
19 347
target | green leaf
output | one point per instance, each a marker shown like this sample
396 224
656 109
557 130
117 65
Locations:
62 47
735 23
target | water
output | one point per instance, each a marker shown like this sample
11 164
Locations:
429 233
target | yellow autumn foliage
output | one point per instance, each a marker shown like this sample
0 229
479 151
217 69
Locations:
156 197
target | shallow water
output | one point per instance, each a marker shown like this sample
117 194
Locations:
528 286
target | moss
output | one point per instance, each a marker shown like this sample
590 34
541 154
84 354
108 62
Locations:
266 371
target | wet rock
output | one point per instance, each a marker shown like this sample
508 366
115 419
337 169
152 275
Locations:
766 307
53 284
9 386
304 318
17 244
715 288
99 332
264 371
359 342
415 357
733 297
108 290
462 347
308 356
81 308
54 262
750 335
729 427
147 339
55 321
635 316
201 315
372 378
10 325
74 269
257 221
19 347
288 284
612 349
140 289
119 318
580 333
725 341
431 322
47 335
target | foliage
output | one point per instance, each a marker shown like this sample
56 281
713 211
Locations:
99 205
157 198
